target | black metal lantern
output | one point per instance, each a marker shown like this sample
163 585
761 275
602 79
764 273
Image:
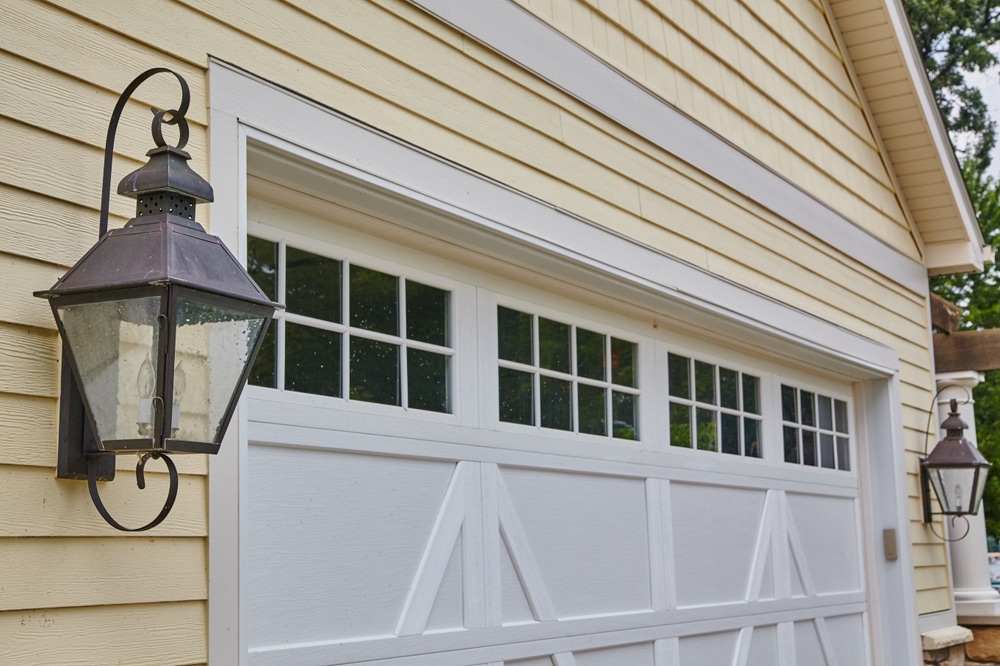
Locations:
955 469
160 322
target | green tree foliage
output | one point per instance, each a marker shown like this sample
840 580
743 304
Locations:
955 38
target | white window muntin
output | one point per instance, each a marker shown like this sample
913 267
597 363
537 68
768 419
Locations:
771 376
461 296
593 320
651 363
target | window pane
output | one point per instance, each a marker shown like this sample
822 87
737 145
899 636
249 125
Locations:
624 417
751 438
679 376
374 371
729 388
312 360
789 406
265 370
514 336
426 313
623 362
553 345
791 439
825 409
843 454
840 411
809 448
751 394
707 437
312 285
826 451
730 426
806 408
704 382
426 380
680 425
590 400
262 265
374 301
589 354
557 403
517 397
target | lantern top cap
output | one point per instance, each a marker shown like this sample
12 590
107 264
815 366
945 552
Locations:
166 171
954 420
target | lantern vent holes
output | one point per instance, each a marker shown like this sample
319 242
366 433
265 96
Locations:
157 203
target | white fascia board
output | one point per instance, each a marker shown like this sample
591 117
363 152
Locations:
954 257
534 45
312 149
976 252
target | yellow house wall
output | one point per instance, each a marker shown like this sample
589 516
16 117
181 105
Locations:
63 64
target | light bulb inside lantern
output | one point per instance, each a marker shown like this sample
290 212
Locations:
958 498
180 385
145 384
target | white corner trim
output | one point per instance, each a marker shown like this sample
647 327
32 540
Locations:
331 156
550 55
942 143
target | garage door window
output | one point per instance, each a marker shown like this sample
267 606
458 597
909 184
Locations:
352 330
713 408
561 376
814 429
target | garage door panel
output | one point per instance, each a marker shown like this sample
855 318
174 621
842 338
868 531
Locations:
515 606
337 541
715 648
588 536
848 638
762 649
726 525
830 559
448 613
639 654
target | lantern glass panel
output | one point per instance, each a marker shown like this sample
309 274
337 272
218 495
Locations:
955 488
114 347
213 345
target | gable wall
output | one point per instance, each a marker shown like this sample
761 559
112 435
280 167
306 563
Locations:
400 70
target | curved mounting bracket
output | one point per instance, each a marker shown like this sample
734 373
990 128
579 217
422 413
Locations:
77 444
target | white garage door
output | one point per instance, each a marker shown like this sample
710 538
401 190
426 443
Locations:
452 463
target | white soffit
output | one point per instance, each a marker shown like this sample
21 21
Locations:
307 147
940 260
550 55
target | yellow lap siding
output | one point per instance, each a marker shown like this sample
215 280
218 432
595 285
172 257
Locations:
138 635
75 571
36 504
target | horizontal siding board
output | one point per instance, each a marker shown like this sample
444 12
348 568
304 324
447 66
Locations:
933 601
36 504
37 96
21 278
46 228
71 579
23 169
28 435
40 32
28 360
790 140
138 635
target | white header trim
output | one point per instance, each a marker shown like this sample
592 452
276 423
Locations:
542 50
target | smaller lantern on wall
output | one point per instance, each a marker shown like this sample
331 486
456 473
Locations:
955 469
